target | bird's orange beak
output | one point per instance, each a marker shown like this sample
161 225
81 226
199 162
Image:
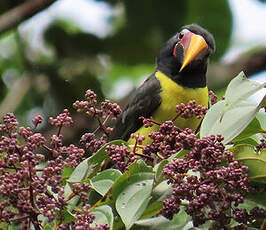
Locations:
192 44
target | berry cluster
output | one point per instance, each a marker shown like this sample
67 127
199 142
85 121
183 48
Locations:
91 143
31 189
85 220
63 119
213 97
191 109
182 110
121 157
169 140
107 111
209 183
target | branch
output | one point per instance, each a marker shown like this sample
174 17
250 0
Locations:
15 95
219 75
15 16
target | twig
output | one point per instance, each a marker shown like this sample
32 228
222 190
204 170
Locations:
59 130
102 125
144 156
9 167
199 125
15 16
15 95
177 115
251 62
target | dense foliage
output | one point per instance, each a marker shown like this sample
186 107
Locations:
180 179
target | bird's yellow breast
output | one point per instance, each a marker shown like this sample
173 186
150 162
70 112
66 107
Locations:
173 94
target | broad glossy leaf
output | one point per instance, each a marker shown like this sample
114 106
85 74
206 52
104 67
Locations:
80 172
158 169
133 200
179 221
230 123
253 128
67 172
131 192
231 116
103 215
95 162
248 141
64 217
256 161
250 204
152 209
12 226
162 190
241 88
257 197
89 167
262 118
78 175
104 180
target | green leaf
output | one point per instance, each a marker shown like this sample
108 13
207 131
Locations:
103 215
80 172
262 118
248 141
47 227
95 162
253 128
158 169
78 175
231 116
250 204
152 209
131 192
104 180
240 88
179 221
179 154
257 197
4 225
67 172
159 193
64 217
89 167
162 190
256 161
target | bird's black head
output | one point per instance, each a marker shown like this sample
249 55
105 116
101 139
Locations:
184 57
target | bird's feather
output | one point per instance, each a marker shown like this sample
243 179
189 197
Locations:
144 102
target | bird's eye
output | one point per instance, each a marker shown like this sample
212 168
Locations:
182 33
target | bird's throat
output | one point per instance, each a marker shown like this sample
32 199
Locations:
190 79
192 76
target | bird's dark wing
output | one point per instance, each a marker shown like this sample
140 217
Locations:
145 100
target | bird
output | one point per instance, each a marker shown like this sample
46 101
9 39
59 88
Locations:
179 76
